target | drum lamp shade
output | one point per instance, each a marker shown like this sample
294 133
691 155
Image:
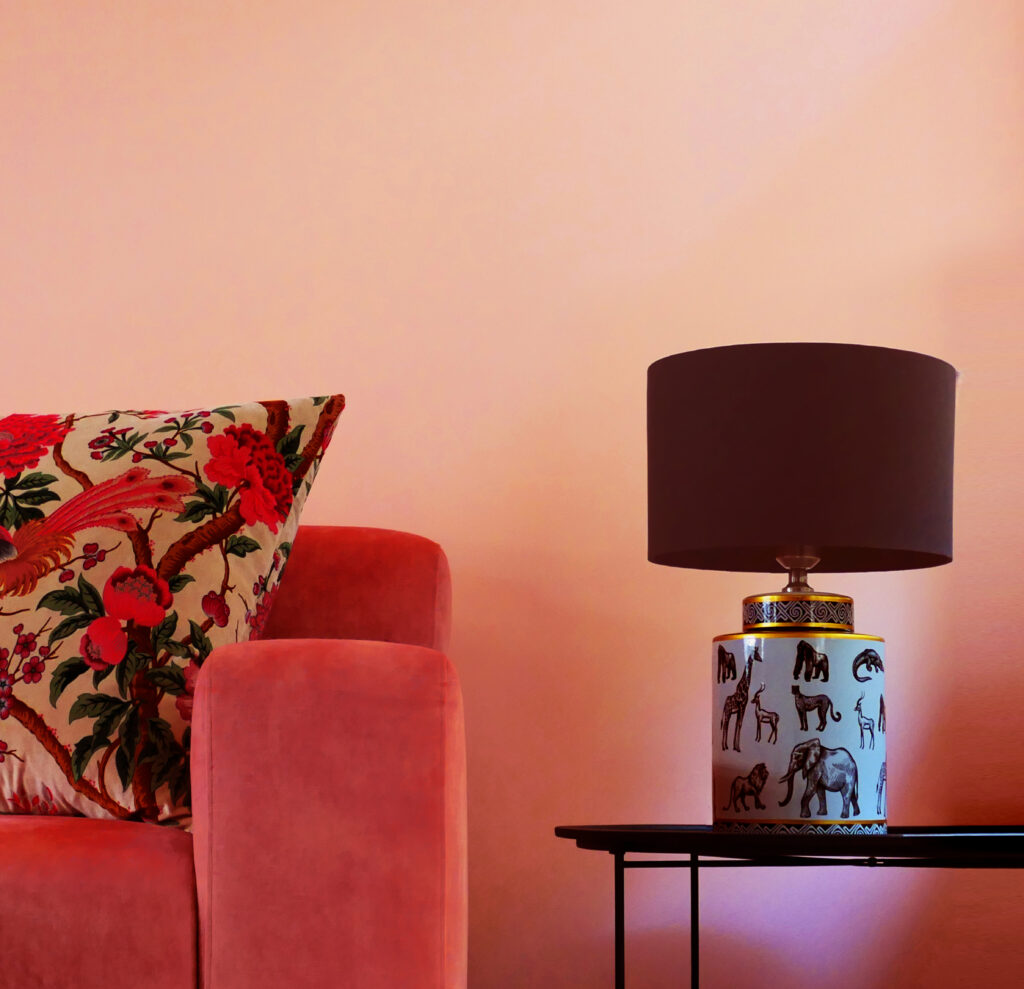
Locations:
760 449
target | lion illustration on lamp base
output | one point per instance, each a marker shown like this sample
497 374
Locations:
750 785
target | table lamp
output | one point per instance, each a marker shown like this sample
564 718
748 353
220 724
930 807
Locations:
793 457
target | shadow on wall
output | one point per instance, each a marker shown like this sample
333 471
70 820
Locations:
977 744
659 958
972 770
965 932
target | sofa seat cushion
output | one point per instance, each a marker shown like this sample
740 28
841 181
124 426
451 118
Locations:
95 904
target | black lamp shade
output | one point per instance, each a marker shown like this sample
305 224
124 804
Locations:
760 449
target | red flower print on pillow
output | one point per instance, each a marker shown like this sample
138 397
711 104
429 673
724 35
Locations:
230 458
37 804
216 607
245 459
257 618
183 702
104 643
26 438
138 595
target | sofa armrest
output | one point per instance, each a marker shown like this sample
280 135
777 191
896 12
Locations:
328 782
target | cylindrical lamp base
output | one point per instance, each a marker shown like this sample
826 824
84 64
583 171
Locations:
798 732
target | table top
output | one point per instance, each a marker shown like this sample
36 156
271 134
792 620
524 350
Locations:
969 845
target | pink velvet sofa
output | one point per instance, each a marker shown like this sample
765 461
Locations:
329 838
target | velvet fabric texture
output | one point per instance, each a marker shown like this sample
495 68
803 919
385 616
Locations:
362 583
93 904
329 780
329 844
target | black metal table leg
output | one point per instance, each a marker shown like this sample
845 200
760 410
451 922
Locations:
950 847
620 922
694 922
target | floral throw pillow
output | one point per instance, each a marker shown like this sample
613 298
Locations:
132 544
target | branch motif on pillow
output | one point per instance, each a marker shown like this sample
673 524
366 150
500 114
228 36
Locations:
131 544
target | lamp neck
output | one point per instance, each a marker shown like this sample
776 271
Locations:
798 607
798 565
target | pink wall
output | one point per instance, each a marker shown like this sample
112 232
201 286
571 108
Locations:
482 222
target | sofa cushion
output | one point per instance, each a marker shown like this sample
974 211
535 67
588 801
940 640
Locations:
96 904
353 582
132 544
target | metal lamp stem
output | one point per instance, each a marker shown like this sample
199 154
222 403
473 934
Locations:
798 565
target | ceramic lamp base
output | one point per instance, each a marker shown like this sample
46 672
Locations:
798 729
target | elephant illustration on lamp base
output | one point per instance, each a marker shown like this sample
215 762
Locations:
825 770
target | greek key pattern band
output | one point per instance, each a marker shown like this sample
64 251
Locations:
830 613
756 827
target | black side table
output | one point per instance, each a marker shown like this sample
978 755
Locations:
932 848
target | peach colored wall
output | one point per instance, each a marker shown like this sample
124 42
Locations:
482 221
